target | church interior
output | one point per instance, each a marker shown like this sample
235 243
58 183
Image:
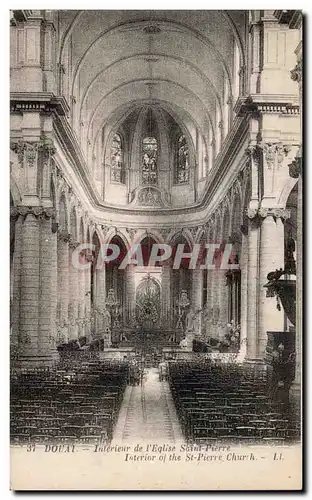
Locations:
134 133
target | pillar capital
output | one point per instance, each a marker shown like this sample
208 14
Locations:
37 211
276 213
27 151
252 213
274 152
264 212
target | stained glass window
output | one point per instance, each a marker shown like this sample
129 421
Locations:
182 164
149 167
117 167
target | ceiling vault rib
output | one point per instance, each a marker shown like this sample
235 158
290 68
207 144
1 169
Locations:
144 80
160 55
188 29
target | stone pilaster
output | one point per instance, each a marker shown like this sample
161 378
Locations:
255 48
62 286
271 258
33 59
252 280
73 293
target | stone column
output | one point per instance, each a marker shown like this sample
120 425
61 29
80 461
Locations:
81 296
99 300
17 219
130 293
73 293
30 286
253 286
47 288
63 285
244 294
271 258
87 302
54 287
165 294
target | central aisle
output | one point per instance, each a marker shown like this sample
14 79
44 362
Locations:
148 413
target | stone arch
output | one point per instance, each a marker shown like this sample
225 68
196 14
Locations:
176 234
154 233
285 192
201 232
120 232
94 229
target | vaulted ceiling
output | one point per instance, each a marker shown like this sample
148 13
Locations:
179 60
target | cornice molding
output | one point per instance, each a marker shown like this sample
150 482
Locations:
45 102
255 104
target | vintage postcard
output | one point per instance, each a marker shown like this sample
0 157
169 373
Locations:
155 249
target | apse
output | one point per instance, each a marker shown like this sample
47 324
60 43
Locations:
150 160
